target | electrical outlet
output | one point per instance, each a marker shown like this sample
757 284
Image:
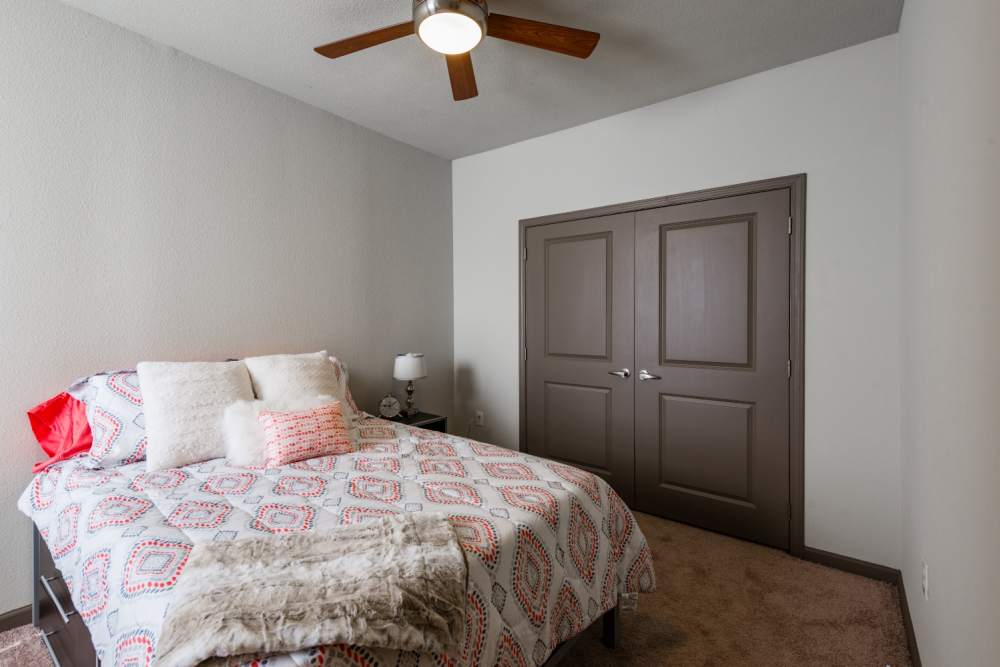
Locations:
924 584
480 418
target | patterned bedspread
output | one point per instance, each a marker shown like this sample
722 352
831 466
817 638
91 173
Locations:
549 547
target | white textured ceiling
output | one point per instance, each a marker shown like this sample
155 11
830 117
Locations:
650 50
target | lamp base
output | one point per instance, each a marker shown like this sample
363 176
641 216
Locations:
410 409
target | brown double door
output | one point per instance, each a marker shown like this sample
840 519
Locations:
656 356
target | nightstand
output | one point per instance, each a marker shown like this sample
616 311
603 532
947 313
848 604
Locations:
425 420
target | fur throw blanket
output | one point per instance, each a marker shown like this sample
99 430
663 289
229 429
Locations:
397 582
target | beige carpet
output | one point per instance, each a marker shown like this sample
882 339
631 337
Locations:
719 601
21 647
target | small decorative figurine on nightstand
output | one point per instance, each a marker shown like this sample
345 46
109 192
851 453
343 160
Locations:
389 407
409 367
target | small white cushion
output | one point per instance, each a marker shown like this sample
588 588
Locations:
245 434
184 404
292 377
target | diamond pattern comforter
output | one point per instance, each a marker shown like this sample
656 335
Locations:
549 547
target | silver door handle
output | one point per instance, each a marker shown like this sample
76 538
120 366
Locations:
646 375
622 373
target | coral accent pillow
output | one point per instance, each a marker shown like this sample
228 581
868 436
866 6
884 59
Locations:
61 428
304 434
244 433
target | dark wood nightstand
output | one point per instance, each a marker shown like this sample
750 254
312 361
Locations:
425 420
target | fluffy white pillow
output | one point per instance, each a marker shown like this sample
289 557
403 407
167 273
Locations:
184 404
290 377
245 434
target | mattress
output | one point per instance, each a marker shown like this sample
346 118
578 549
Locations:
549 547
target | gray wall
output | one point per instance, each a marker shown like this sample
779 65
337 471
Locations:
950 59
155 207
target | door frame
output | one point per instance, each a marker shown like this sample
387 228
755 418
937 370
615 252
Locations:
796 185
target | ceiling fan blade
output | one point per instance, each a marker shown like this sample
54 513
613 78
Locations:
359 42
463 79
569 41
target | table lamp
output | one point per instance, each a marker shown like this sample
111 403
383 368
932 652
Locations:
409 367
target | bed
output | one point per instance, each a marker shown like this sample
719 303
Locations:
550 548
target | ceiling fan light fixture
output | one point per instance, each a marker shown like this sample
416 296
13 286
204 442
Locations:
451 27
455 27
450 33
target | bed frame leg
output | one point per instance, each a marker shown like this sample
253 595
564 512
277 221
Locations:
610 635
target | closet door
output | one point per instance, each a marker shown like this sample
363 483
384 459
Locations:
712 383
579 338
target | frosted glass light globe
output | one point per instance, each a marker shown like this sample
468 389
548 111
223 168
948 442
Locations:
450 33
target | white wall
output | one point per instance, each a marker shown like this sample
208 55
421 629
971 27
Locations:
833 117
155 207
951 344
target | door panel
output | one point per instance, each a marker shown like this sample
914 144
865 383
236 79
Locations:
577 284
706 292
584 441
579 325
711 439
705 445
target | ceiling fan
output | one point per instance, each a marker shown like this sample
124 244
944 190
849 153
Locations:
455 27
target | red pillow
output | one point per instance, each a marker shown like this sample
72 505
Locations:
61 428
304 434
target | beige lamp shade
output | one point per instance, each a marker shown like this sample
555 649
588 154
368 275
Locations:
410 366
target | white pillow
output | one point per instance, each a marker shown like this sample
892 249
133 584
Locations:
291 377
184 403
244 433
